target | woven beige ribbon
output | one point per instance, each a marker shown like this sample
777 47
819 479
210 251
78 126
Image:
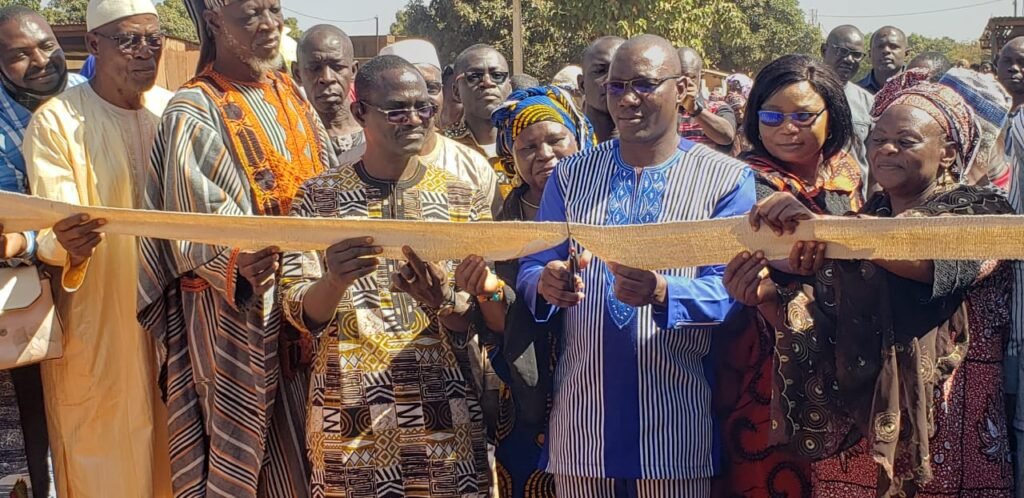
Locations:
655 246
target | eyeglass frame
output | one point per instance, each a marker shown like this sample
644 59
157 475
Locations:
406 112
136 46
848 53
629 85
488 73
792 118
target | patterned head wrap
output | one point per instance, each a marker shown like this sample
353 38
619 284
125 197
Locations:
536 105
943 104
743 81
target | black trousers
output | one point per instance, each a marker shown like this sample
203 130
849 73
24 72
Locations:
28 386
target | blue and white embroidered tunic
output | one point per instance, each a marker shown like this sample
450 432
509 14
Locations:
632 394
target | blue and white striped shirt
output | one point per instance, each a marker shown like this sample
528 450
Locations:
633 386
14 119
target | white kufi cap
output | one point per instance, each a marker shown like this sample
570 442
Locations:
103 12
414 51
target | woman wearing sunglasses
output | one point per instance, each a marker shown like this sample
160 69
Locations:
890 372
798 123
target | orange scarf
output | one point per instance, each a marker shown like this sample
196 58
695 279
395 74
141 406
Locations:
274 177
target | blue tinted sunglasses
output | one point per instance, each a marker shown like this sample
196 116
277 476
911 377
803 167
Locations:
800 119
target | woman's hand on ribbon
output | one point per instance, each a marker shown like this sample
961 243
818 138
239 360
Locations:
781 212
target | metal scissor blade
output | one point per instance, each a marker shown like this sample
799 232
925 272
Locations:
574 259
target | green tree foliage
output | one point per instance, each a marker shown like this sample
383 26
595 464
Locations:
292 23
174 20
768 30
556 31
32 4
66 11
954 50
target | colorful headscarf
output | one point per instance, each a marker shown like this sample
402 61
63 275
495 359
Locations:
943 104
536 105
743 81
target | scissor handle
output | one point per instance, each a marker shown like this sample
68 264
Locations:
574 269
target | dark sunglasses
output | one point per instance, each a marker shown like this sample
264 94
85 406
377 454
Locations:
642 86
403 116
131 42
800 119
475 77
844 52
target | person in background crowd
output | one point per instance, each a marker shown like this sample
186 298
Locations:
739 83
237 140
795 100
596 59
537 128
843 50
568 79
991 105
107 426
931 331
889 50
986 68
400 340
32 70
711 123
634 365
1010 72
934 62
438 150
739 86
451 111
325 67
482 84
523 81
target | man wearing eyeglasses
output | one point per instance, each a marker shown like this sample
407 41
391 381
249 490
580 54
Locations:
631 414
843 51
90 146
439 150
482 85
325 67
395 406
238 139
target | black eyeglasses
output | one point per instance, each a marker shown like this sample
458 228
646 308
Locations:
403 116
800 119
642 86
131 42
475 77
844 52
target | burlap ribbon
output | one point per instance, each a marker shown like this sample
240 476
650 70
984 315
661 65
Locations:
656 246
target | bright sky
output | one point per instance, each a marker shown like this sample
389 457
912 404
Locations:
961 24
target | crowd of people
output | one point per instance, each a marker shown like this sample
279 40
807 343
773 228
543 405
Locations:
196 370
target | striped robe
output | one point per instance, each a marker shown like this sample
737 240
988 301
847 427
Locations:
632 393
235 428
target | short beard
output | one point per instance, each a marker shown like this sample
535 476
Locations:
258 66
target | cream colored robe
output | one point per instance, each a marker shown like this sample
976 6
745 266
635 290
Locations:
106 421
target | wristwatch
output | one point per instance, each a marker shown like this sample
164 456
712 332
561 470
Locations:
697 110
448 305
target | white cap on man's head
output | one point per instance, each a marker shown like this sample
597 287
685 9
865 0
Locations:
103 12
414 51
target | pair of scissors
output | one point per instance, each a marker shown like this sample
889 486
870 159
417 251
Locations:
574 258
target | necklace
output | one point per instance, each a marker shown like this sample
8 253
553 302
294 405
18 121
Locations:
529 204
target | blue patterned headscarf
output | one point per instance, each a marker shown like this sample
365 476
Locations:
536 105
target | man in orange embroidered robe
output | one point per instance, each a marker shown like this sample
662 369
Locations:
238 139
